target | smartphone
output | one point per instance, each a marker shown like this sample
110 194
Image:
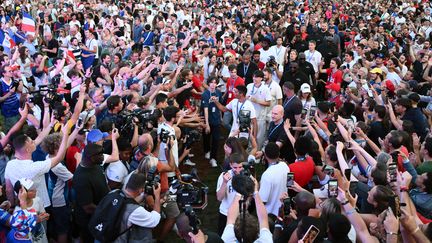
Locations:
303 114
80 121
290 179
394 204
312 112
311 234
353 187
287 206
332 188
348 174
392 168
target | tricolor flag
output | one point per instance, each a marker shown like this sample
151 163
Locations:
7 42
28 24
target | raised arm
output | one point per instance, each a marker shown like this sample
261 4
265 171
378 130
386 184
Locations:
63 147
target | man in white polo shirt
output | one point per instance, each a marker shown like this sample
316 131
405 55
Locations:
259 94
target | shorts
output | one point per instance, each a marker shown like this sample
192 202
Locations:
171 209
61 219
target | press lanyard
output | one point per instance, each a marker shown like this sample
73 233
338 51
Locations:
245 69
277 52
232 84
310 57
253 88
288 101
238 110
271 132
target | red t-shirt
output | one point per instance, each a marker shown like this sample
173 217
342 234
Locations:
231 84
303 171
334 77
197 83
71 163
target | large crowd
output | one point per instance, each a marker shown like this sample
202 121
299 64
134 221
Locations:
102 103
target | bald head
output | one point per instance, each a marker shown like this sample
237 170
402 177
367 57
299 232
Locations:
146 142
304 201
277 114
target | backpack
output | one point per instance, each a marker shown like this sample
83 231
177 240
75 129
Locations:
106 221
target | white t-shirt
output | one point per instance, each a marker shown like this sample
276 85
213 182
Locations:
229 194
314 58
265 55
228 236
18 169
117 171
260 93
280 53
394 77
276 94
174 149
63 175
235 106
91 44
272 185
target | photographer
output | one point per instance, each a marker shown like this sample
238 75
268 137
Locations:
273 180
238 104
137 216
9 98
224 190
114 107
246 227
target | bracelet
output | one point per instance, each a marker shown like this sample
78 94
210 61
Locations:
416 230
391 233
403 189
255 193
345 203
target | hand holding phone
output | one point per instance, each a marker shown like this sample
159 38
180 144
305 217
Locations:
290 179
333 188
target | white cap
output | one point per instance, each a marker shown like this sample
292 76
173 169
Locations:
305 88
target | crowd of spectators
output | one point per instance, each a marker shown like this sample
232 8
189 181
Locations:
331 100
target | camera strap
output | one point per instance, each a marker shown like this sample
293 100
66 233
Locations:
271 132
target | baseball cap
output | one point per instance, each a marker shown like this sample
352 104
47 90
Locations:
14 68
376 70
305 88
380 55
414 97
333 86
390 86
96 135
86 115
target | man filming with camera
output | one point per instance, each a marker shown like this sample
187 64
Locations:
224 190
238 106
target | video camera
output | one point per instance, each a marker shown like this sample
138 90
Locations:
48 93
271 63
189 191
147 120
248 168
244 120
151 181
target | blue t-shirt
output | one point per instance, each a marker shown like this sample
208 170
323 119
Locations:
10 106
213 111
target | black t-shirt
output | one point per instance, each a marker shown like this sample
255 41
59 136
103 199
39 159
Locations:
90 186
184 95
377 130
298 78
53 43
292 107
276 133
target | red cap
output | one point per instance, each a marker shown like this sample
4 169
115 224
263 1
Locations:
333 86
14 68
390 86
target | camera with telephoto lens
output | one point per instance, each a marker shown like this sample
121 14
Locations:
47 93
244 120
147 121
248 168
193 219
164 135
189 191
151 181
191 137
271 63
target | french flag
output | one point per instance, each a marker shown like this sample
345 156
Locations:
28 24
6 41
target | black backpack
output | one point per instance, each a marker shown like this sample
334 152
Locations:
105 223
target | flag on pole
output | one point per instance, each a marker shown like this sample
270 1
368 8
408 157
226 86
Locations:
7 42
28 24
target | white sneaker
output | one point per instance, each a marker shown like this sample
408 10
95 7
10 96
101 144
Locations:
207 155
190 163
191 155
213 163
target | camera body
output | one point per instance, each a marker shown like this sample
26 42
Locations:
191 137
193 219
164 135
244 120
189 192
151 181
